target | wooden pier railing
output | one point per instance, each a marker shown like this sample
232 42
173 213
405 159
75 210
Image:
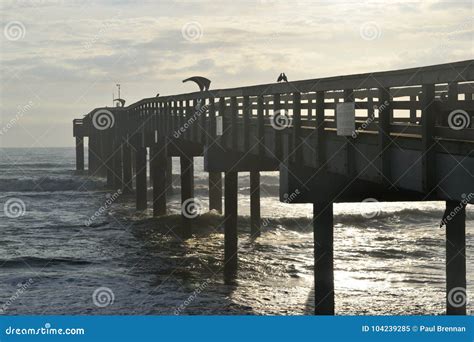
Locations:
399 135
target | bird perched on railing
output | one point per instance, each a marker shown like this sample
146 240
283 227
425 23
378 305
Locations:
282 78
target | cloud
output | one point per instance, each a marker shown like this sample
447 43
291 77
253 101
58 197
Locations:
74 52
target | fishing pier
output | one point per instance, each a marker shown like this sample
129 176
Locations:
403 135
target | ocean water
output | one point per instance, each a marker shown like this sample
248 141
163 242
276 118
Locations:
76 248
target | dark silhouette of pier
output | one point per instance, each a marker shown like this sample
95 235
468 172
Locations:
332 139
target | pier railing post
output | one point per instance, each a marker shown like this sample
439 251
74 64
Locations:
297 136
246 112
384 142
277 109
261 124
255 219
413 109
140 174
428 119
80 153
320 133
215 191
323 258
456 295
234 112
187 194
351 152
230 227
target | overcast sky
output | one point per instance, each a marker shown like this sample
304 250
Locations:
61 58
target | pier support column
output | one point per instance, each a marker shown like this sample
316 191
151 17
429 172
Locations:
117 166
456 295
169 175
108 162
102 153
93 155
79 153
140 178
127 167
255 203
215 191
187 195
323 258
230 227
158 167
